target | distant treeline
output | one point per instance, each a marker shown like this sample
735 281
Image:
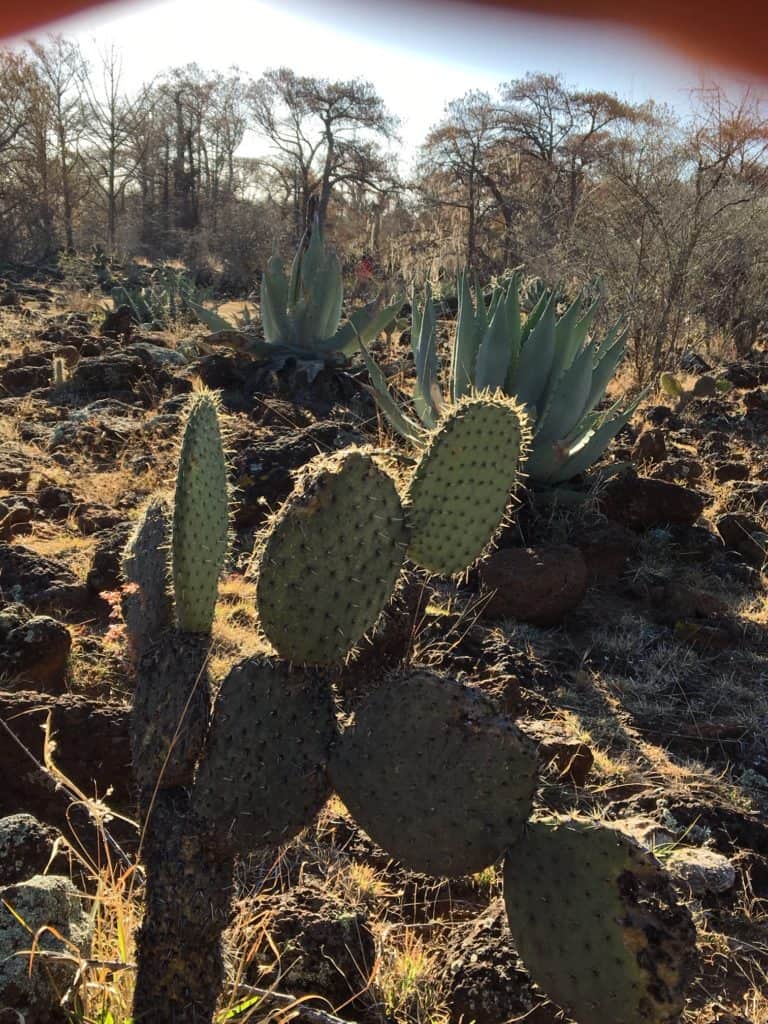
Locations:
671 212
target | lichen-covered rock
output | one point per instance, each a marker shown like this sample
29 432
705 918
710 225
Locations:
41 900
702 871
34 654
43 584
25 848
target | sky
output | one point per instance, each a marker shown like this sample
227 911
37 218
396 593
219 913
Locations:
417 57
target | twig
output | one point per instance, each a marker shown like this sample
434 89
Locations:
77 800
308 1013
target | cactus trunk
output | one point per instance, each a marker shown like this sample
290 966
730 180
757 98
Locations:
188 897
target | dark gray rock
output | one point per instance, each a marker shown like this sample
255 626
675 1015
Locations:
26 848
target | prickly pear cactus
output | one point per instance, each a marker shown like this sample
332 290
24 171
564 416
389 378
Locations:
199 541
434 775
331 560
461 488
169 716
147 606
595 920
263 775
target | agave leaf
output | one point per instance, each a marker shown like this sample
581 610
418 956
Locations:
536 314
273 302
570 335
535 363
367 323
591 449
466 342
426 388
323 299
568 401
294 282
417 313
514 325
494 353
608 359
481 314
403 424
314 260
209 317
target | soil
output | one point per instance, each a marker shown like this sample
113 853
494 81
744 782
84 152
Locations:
655 668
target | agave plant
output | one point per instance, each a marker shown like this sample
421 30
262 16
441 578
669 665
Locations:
301 310
170 295
548 363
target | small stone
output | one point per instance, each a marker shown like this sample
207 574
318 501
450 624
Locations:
34 655
559 751
641 502
536 585
731 471
606 547
645 831
743 534
650 447
703 871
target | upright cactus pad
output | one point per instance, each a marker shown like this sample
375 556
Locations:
461 488
595 920
435 776
332 559
263 777
200 517
147 606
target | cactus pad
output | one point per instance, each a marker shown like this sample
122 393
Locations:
434 775
461 487
263 777
169 717
595 920
200 517
147 607
331 560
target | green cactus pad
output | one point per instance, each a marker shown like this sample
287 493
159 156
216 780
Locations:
435 775
146 605
461 487
200 517
595 920
331 560
263 777
169 717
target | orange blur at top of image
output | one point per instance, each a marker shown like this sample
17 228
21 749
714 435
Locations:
733 34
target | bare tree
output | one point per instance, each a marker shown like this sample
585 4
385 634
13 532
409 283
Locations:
60 67
324 136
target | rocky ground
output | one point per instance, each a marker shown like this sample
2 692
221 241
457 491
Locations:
626 631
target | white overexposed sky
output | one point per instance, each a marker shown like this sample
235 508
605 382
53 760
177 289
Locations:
417 56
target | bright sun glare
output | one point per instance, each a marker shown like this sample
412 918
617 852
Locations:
417 57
